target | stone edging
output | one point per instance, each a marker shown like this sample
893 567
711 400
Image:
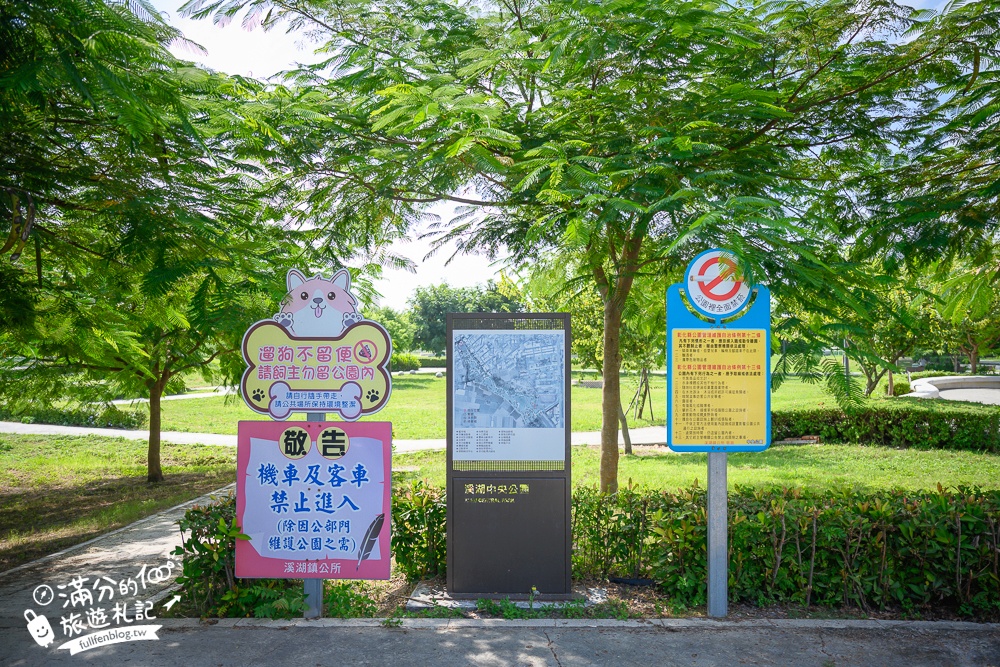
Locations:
599 623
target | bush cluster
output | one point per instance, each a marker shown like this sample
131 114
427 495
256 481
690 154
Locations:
402 361
832 548
208 570
899 423
418 530
434 362
102 416
864 549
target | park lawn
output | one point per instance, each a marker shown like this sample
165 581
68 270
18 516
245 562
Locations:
57 491
417 407
808 466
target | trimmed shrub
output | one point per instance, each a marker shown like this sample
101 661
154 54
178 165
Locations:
434 362
102 416
418 530
840 548
208 569
831 548
854 548
900 386
898 423
931 374
402 361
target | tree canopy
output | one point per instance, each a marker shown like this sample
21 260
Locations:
629 133
429 307
147 211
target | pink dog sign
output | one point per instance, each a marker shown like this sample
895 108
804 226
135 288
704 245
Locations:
318 354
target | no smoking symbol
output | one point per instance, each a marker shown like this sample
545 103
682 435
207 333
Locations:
724 279
720 291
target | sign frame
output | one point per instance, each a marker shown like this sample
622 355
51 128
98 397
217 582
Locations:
251 564
757 316
544 522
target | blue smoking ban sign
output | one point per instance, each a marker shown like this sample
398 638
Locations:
718 359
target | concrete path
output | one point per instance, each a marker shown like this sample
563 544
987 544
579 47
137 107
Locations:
986 396
216 391
111 567
500 643
649 435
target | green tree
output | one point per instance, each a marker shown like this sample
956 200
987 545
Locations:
626 134
398 323
100 328
92 103
876 339
430 305
966 316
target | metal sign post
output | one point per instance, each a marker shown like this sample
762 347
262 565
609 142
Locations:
718 526
314 587
718 385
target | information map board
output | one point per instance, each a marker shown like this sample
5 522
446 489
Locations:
718 362
508 461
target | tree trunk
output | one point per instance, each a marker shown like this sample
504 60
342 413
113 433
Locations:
870 381
974 359
154 472
892 386
611 397
955 365
625 433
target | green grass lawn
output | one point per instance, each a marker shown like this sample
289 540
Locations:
809 466
417 407
59 491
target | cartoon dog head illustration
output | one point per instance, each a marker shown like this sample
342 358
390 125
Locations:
317 307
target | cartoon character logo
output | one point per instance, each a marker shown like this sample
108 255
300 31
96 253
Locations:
317 307
39 628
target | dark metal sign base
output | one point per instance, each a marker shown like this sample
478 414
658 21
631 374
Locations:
508 467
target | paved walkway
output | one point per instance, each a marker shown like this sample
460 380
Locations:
501 643
649 435
986 396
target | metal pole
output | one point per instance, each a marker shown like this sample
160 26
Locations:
314 587
718 527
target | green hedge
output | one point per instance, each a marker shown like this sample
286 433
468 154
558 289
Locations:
434 362
831 549
932 374
402 361
870 550
103 416
897 423
834 548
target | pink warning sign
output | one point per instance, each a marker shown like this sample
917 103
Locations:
314 499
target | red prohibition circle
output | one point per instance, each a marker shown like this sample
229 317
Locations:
706 288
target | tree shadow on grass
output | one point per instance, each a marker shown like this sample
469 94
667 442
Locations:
41 520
